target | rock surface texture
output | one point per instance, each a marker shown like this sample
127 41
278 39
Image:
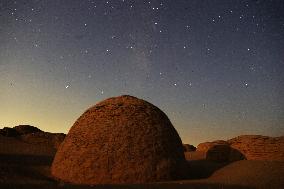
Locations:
257 147
120 140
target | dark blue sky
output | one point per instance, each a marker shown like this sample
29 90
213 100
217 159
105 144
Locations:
215 67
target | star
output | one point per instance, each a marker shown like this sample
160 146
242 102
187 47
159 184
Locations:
252 68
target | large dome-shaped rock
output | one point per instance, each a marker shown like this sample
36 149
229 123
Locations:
120 140
257 147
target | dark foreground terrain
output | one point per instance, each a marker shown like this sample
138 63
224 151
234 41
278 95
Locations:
25 161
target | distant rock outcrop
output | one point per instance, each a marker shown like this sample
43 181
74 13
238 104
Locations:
188 148
204 147
9 132
29 141
219 151
250 147
257 147
120 140
26 129
18 130
34 135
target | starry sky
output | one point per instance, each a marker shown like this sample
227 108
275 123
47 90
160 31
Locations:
215 67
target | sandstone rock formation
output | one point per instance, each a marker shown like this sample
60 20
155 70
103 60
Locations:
188 148
26 129
9 132
32 135
219 151
204 147
120 140
18 130
257 147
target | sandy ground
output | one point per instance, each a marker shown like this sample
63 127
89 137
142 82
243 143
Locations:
27 165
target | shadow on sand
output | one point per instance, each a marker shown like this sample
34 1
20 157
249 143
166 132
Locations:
24 167
200 169
27 167
25 160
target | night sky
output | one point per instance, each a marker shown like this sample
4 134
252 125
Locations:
215 67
